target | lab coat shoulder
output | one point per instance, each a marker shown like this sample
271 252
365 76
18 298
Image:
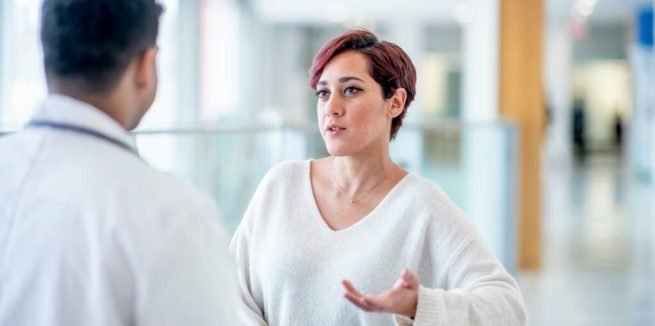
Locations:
163 202
173 238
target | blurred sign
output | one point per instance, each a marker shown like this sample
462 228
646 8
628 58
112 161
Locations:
644 27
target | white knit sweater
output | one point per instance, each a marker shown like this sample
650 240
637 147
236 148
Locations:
291 263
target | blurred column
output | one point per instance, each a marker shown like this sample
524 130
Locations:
187 88
283 56
229 41
522 100
22 75
188 55
246 36
284 53
642 124
646 39
410 36
646 44
559 51
480 66
220 60
484 139
3 90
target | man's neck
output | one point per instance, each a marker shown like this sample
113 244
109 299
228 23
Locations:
103 103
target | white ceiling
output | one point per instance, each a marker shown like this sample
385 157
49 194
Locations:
324 11
440 11
606 10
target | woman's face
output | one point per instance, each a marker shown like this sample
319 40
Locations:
353 115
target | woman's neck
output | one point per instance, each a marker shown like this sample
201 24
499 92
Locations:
354 174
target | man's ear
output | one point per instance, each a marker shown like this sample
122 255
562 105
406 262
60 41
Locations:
397 101
146 68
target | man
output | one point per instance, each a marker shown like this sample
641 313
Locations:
89 233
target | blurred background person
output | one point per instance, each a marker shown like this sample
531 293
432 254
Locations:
579 128
89 233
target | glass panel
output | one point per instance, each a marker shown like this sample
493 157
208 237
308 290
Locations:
22 79
475 164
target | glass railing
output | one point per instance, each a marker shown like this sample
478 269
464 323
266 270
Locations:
475 164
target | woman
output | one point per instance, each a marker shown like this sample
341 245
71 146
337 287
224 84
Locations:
315 228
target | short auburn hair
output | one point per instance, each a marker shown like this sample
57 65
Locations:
389 66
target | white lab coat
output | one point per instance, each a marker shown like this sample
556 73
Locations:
92 235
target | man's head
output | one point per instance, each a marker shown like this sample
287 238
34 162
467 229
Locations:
102 49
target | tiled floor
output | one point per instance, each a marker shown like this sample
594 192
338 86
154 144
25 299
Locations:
598 250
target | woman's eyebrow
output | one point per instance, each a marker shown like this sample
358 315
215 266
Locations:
341 80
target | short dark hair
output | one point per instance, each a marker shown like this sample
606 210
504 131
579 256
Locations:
91 42
389 66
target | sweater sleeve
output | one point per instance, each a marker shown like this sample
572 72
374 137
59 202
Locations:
249 240
249 312
480 292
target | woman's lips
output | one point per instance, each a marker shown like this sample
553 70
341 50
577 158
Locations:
334 130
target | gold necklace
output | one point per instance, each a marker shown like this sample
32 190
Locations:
354 199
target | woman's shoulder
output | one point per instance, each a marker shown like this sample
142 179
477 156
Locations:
433 208
427 196
286 172
282 180
426 191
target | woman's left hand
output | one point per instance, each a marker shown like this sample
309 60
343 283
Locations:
401 299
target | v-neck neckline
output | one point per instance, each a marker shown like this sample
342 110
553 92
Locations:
365 219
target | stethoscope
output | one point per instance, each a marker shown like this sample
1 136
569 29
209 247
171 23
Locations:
79 130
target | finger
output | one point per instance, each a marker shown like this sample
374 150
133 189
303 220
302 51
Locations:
351 288
371 303
358 302
355 301
410 278
400 283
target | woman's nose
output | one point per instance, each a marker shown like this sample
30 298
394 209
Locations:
334 107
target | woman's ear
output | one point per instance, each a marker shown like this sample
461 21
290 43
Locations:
397 101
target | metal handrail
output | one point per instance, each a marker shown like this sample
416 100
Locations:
443 125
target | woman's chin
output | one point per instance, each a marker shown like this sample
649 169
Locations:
338 151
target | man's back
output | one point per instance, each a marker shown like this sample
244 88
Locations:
91 235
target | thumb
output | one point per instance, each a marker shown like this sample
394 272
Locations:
410 278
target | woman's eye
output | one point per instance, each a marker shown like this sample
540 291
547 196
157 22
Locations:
352 90
321 93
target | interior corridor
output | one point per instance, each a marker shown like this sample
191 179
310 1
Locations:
597 252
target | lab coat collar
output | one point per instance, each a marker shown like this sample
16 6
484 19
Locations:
63 109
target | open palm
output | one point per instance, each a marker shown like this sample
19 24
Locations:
401 299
